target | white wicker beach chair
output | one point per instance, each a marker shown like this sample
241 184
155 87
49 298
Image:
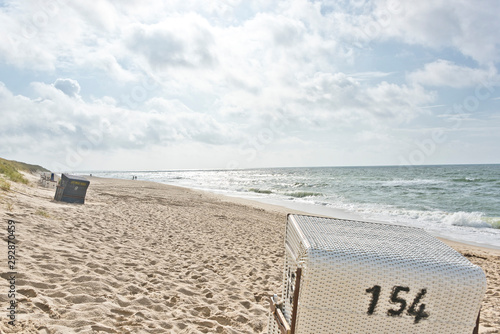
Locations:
344 276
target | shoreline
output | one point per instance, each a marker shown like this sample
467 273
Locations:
141 256
316 210
368 194
341 214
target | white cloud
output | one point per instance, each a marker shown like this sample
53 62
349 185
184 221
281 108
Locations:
469 26
401 103
37 35
177 41
219 73
103 16
69 87
446 73
338 100
370 75
57 122
333 102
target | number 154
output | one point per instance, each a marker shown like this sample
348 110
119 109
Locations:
418 312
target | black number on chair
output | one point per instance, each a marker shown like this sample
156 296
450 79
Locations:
417 312
396 300
420 313
375 291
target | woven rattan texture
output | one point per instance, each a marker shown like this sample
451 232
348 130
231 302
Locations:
272 327
360 277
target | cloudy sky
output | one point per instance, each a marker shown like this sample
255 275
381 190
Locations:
134 85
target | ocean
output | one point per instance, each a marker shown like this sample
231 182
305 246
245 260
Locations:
457 202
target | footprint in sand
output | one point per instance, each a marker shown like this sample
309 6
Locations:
47 309
123 312
101 328
223 320
27 292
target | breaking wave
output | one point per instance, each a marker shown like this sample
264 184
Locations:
302 194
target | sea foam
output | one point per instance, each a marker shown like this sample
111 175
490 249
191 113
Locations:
472 219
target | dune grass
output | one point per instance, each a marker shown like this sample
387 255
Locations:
10 169
4 184
42 213
24 166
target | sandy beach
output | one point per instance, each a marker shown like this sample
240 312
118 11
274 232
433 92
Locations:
142 257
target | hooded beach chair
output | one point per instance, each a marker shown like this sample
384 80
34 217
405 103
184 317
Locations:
344 276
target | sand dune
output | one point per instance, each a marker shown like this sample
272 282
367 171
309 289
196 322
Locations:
140 257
